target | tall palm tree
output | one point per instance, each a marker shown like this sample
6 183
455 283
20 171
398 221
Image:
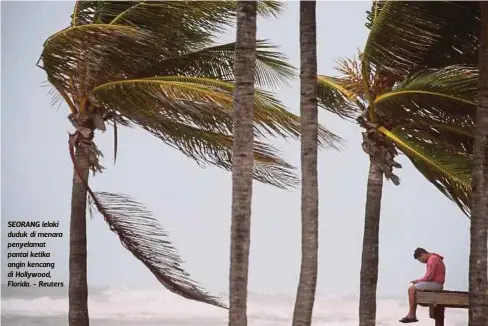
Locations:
302 315
428 117
420 117
478 273
242 161
427 114
138 64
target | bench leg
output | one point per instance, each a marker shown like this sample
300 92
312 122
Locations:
438 315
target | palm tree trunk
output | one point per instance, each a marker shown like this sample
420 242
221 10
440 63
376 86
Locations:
369 261
302 315
78 286
242 160
478 282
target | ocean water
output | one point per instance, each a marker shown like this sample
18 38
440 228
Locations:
138 307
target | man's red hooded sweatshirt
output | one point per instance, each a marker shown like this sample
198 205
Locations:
436 270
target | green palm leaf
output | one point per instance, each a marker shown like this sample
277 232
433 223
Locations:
448 170
205 103
206 147
210 15
371 15
197 26
84 56
409 36
452 137
441 96
95 54
272 69
98 12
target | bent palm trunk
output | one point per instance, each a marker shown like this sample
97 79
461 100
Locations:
302 315
478 283
369 261
242 160
78 286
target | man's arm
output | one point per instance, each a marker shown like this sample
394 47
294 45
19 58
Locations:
431 267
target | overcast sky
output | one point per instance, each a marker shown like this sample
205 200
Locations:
194 203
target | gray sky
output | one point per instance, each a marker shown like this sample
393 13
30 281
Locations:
194 203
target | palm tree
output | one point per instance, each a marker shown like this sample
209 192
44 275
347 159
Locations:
305 298
413 90
138 64
242 161
419 117
478 273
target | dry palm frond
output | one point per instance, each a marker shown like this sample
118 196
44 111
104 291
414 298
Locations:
140 233
344 95
335 96
350 72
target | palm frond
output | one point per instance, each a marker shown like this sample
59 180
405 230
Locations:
272 68
202 102
98 12
448 170
344 95
372 14
351 76
212 14
116 140
197 26
335 96
215 149
443 96
92 54
142 235
409 36
269 8
453 137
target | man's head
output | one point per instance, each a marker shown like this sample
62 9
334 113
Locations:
421 255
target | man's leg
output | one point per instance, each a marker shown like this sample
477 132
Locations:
411 317
412 313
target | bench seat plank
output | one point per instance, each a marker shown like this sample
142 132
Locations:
447 299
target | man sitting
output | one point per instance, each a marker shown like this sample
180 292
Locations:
433 279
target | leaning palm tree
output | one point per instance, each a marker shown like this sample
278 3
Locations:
302 315
427 114
242 160
478 274
138 64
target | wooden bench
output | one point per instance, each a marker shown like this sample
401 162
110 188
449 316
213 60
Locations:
438 301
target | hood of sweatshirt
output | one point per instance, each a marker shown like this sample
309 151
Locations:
440 257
